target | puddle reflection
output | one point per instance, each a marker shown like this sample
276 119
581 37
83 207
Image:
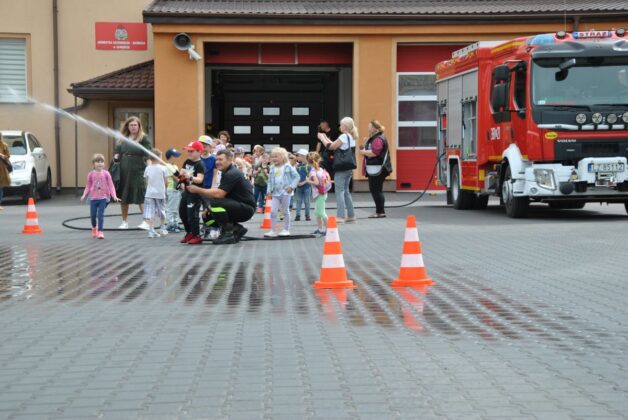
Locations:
19 266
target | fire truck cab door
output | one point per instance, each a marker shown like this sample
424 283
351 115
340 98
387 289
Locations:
500 129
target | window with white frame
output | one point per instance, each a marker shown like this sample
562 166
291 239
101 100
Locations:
13 72
416 110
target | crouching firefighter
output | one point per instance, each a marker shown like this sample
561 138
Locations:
231 203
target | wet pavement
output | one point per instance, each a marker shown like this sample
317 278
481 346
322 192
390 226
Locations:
527 320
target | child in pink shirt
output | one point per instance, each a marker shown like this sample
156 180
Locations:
100 189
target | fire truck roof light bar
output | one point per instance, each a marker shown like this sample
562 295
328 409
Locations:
588 127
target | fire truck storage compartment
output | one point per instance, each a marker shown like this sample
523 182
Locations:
458 90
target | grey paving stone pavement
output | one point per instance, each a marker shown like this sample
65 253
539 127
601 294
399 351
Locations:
527 319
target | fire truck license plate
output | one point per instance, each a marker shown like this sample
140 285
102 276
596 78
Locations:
606 167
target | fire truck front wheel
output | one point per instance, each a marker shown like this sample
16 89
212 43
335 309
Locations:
516 207
463 200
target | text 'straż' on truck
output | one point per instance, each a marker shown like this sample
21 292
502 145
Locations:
541 118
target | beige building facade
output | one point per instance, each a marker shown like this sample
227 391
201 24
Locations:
78 59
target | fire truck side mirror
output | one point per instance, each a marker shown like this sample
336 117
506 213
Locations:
501 74
499 97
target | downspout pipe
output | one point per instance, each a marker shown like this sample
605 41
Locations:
576 23
55 48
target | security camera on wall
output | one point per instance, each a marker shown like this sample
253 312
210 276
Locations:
183 42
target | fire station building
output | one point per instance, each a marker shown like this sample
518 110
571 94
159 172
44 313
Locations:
269 71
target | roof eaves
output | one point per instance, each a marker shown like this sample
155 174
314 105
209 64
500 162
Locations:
367 19
112 74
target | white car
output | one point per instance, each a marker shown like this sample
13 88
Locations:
31 170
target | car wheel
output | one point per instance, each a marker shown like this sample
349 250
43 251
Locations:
463 200
516 207
626 205
46 190
31 190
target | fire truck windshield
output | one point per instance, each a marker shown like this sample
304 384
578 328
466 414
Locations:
587 82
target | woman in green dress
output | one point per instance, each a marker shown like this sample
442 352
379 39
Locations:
132 164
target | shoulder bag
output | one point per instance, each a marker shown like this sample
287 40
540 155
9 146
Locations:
375 170
8 164
344 160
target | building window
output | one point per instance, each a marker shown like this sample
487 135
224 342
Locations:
271 110
416 110
241 111
13 86
469 129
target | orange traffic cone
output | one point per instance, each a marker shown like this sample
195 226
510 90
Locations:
412 272
266 222
32 225
333 272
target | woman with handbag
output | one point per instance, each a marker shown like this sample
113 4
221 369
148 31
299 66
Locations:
376 165
344 164
5 178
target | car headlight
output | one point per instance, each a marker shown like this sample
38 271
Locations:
19 165
581 118
624 117
597 118
611 118
545 178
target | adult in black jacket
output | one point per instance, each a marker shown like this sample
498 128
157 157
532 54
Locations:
231 203
375 152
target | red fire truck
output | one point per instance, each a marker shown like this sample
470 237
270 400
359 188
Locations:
535 119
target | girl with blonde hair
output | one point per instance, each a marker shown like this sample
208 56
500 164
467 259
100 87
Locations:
282 181
316 178
344 144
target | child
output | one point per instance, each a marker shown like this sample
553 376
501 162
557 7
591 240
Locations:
100 189
156 178
303 188
320 181
194 173
173 196
282 181
258 152
209 161
260 181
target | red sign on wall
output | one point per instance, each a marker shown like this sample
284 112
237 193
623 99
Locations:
121 36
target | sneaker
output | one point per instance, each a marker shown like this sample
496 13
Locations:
284 232
271 234
101 235
143 226
186 238
324 233
239 231
259 210
163 231
340 220
124 225
153 234
226 238
94 232
297 219
308 219
350 220
195 240
316 232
